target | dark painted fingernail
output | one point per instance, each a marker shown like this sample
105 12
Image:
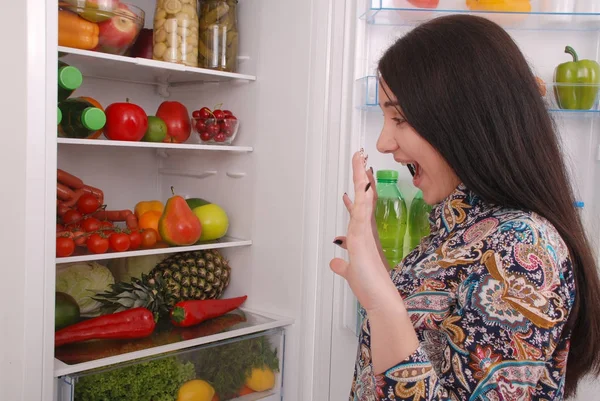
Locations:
367 187
338 242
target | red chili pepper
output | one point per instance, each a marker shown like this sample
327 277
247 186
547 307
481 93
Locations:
129 324
189 313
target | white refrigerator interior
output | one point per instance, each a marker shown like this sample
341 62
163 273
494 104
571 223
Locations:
305 95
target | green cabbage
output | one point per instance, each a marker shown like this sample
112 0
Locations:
83 280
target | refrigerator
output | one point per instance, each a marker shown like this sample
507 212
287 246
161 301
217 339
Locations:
305 93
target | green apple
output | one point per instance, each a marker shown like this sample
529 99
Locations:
214 221
157 130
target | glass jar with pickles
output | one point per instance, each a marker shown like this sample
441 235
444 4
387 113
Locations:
175 37
218 44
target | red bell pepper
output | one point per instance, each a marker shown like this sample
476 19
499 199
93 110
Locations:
129 324
189 313
425 3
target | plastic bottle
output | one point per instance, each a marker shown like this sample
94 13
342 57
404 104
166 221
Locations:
80 118
69 79
390 215
418 220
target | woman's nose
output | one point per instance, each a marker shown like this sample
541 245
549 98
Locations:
386 142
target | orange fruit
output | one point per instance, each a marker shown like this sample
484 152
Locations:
150 220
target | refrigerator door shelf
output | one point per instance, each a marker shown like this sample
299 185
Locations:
543 14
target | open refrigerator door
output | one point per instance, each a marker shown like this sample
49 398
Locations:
542 31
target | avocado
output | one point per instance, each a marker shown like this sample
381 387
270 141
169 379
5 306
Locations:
67 311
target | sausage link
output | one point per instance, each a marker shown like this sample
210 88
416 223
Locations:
68 179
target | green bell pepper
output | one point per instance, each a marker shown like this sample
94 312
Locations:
585 77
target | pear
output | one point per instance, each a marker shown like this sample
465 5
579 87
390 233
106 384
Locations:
178 225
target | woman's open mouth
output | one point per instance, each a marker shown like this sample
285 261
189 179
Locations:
415 171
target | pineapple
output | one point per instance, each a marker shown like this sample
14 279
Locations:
181 276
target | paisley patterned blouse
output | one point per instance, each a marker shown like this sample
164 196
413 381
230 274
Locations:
488 292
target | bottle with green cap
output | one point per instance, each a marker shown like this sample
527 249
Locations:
418 220
69 79
80 118
390 216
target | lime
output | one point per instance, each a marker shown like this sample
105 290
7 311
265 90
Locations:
157 130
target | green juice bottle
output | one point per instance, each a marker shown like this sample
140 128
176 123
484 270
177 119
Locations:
390 216
418 220
69 79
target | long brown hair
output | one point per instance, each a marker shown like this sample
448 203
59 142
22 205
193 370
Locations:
463 84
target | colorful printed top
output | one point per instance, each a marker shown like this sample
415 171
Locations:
488 292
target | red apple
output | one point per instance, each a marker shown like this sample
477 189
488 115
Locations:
177 118
143 45
118 33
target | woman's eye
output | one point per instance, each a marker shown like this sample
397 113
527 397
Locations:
398 120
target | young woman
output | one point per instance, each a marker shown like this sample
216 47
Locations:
502 300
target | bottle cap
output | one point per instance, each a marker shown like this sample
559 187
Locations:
579 204
58 115
69 77
93 118
387 175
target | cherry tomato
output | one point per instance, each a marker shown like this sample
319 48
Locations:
106 224
119 242
79 237
72 216
149 237
97 244
196 113
205 113
88 204
135 239
90 224
219 115
64 247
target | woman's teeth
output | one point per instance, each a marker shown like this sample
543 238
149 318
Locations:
412 168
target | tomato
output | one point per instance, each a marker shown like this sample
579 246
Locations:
90 224
97 244
149 237
135 239
72 216
106 225
79 237
177 118
64 247
60 227
88 204
119 242
125 122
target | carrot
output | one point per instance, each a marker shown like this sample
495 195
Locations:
63 192
68 179
129 324
74 31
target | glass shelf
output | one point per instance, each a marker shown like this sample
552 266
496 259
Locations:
367 94
544 14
